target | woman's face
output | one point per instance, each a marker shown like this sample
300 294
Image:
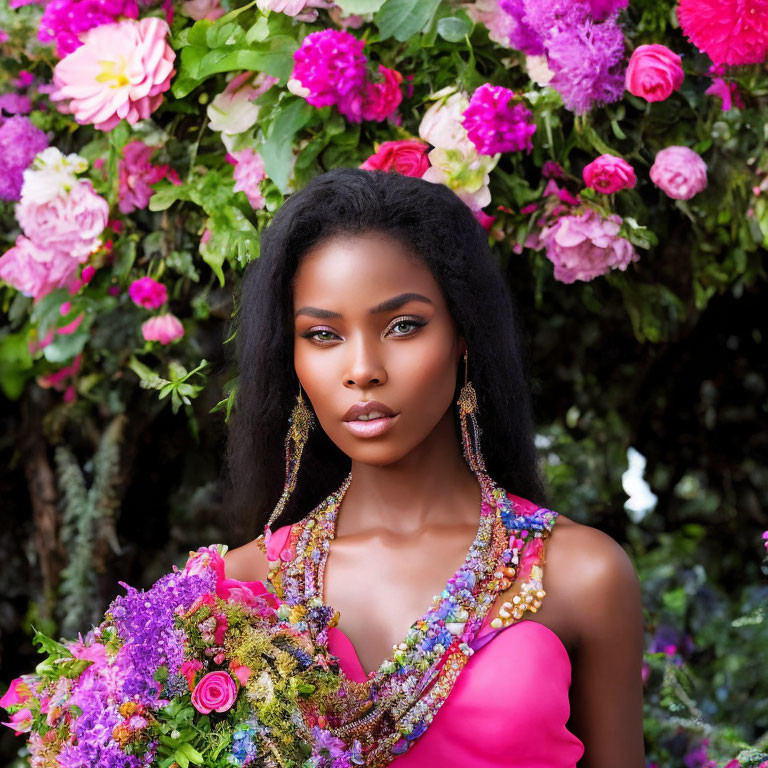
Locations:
372 330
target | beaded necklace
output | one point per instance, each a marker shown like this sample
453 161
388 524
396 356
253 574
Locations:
397 702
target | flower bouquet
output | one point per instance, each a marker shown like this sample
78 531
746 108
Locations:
197 670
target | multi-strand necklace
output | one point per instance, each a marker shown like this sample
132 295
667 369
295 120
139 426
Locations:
397 702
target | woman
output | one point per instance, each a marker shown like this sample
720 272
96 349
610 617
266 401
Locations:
375 298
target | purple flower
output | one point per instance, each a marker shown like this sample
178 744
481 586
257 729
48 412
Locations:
330 69
145 620
64 20
520 34
20 141
586 60
586 246
495 124
548 17
14 104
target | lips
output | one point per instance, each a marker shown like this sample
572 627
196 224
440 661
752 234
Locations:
369 419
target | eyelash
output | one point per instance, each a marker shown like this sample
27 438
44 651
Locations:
414 321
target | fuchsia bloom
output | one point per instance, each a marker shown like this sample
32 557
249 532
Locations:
163 328
249 173
382 98
495 123
679 172
120 71
726 90
20 141
728 31
65 20
137 174
216 691
148 293
330 68
586 246
609 174
406 156
654 72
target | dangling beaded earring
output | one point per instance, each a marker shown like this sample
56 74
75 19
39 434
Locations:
301 421
468 409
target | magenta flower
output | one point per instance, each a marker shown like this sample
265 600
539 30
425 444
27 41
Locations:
494 123
679 172
329 68
654 72
163 328
20 141
215 691
585 246
136 174
609 174
120 71
728 31
519 33
148 293
65 20
382 98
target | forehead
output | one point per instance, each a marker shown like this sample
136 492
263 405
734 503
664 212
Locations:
361 268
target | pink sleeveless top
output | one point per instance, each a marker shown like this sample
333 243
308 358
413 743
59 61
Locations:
508 707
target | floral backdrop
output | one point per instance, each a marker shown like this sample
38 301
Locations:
616 154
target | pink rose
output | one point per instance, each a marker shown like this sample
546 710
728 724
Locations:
654 72
609 174
163 328
381 99
148 293
406 156
216 691
679 172
36 271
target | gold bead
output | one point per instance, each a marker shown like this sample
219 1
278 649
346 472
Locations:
541 594
504 613
497 623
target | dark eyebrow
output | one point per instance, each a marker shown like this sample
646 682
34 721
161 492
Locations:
386 306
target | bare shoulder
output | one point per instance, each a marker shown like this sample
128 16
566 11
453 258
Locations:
246 563
594 579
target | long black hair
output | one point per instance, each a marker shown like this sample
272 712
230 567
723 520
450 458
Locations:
436 226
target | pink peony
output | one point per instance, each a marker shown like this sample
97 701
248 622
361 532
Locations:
137 174
728 31
495 122
148 293
202 9
586 246
163 328
654 72
679 172
301 10
249 173
36 271
216 691
71 223
120 71
382 98
609 174
406 156
329 68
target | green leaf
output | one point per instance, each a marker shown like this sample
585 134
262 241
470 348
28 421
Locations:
359 6
193 755
166 194
65 346
258 31
275 57
15 364
453 29
277 150
402 19
181 758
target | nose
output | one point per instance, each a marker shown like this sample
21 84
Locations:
364 366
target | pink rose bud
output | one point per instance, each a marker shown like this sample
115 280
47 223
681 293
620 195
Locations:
163 328
654 72
148 293
216 691
609 174
87 274
679 172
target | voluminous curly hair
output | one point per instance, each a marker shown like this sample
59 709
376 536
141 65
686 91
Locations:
437 227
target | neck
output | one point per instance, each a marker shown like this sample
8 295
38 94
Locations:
431 485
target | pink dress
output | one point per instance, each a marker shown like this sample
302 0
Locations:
508 707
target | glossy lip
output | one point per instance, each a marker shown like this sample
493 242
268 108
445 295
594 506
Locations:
371 428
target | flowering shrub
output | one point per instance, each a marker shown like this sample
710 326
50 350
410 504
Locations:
145 145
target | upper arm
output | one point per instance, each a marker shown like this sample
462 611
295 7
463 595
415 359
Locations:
246 563
607 687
